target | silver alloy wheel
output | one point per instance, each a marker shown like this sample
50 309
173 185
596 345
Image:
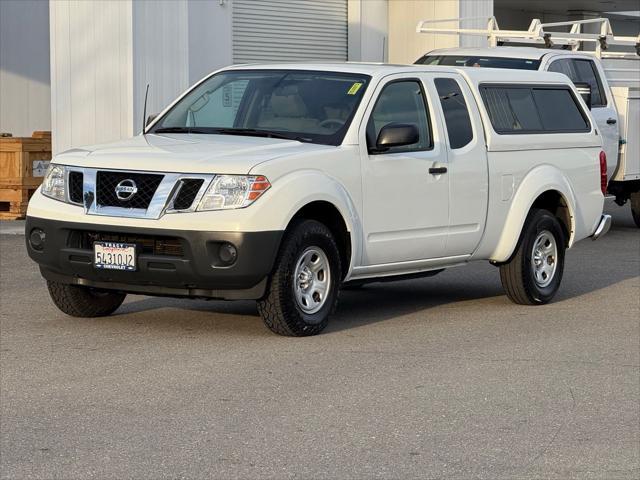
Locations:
544 258
312 280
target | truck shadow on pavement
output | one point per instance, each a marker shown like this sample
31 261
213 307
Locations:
588 268
475 287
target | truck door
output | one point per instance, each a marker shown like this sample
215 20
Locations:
602 107
467 163
405 188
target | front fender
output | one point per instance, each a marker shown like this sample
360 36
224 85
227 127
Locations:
536 182
291 192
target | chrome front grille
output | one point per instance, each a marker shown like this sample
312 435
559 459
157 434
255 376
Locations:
76 180
187 191
145 194
146 185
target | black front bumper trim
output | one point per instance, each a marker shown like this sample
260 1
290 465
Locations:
194 273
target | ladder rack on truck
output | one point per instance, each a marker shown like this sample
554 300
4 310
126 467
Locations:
613 71
543 34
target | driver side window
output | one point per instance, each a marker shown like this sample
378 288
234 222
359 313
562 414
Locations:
401 102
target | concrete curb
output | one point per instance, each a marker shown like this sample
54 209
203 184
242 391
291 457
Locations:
12 227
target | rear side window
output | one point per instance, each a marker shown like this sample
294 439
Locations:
582 70
558 111
520 109
456 114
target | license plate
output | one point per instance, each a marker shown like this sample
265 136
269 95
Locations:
114 256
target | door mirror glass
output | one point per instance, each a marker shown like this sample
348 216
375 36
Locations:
584 89
397 135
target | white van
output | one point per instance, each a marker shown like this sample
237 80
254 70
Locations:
281 183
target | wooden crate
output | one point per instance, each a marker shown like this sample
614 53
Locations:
18 180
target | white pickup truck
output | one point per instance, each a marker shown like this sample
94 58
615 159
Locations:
608 80
282 183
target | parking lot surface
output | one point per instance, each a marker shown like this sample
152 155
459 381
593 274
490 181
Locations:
436 378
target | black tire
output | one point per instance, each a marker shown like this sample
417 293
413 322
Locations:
518 275
279 308
635 207
78 301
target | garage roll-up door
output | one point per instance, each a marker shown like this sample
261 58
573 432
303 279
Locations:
289 30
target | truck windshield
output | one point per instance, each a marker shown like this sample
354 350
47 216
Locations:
478 61
307 106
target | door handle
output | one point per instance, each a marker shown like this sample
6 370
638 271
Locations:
437 170
611 121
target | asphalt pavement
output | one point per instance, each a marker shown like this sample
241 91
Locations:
435 378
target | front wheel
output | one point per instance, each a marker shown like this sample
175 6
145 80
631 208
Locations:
303 289
534 273
78 301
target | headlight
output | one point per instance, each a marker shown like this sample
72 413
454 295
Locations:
53 184
233 191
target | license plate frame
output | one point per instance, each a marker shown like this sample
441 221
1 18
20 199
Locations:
115 256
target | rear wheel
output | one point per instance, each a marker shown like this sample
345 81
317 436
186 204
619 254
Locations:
534 273
79 301
303 289
635 208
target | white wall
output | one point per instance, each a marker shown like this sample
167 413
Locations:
405 45
25 94
160 54
103 55
478 13
91 72
210 45
368 39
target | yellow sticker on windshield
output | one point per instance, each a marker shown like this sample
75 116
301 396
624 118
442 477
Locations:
354 88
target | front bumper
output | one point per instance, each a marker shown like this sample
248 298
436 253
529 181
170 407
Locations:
603 227
169 262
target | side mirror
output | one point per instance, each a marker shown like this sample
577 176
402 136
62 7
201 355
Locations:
584 89
150 119
396 135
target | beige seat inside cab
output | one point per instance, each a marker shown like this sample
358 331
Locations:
286 111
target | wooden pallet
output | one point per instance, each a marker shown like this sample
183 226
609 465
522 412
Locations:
14 200
18 180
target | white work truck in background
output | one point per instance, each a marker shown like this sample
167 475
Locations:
282 183
608 77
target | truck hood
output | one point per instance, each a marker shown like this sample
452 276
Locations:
186 153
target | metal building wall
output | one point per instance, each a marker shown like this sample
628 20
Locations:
477 12
160 54
405 45
25 93
368 36
91 72
289 30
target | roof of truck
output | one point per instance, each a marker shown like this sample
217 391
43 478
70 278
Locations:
379 70
529 53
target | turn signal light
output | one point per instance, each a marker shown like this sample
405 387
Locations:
603 172
258 187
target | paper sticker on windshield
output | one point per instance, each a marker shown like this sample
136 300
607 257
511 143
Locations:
354 88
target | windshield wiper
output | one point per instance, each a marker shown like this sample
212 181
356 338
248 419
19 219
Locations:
261 133
184 130
233 131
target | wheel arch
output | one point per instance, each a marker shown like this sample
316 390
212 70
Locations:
544 188
314 195
328 214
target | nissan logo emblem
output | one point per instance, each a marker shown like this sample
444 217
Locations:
126 189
